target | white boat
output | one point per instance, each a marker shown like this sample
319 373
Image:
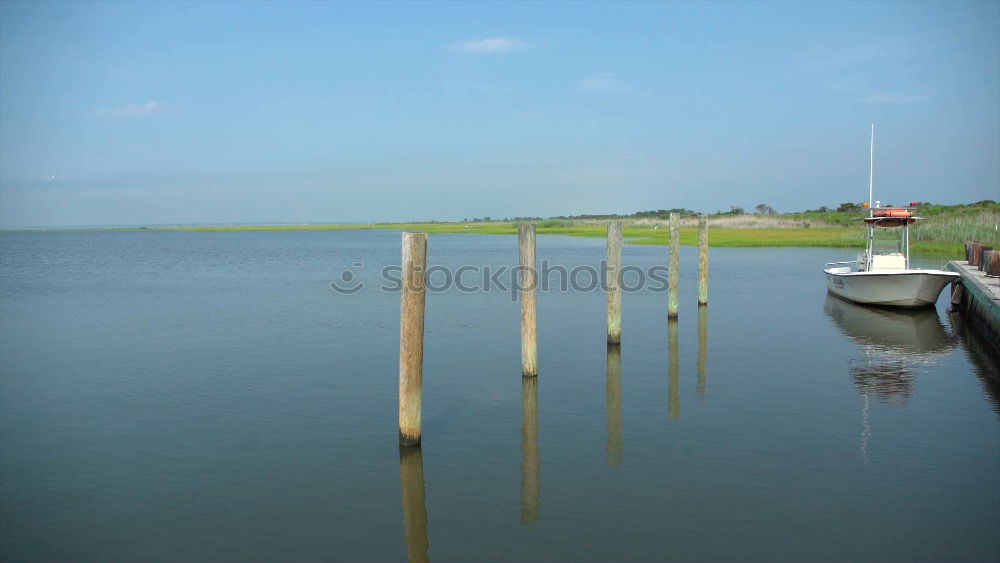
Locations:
882 275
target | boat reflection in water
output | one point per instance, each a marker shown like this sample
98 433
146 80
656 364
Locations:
892 343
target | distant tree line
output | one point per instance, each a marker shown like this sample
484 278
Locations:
651 214
759 209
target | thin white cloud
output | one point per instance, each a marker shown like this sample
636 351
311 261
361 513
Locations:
133 109
883 98
489 45
857 71
602 82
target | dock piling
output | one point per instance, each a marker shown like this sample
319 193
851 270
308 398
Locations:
982 257
702 260
991 263
673 275
528 286
411 337
614 282
972 252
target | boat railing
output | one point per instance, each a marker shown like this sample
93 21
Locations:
841 267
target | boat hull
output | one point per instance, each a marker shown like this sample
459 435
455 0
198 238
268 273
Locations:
892 288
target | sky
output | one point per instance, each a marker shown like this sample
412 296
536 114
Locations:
131 113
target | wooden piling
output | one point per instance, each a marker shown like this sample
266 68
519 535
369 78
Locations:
702 260
613 402
974 253
614 282
981 262
528 287
991 263
411 337
674 371
531 482
673 276
411 478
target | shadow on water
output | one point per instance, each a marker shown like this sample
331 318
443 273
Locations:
982 355
892 343
531 483
411 477
702 350
674 387
616 427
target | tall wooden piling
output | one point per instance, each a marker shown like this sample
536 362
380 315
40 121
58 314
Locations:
673 276
531 482
411 337
674 371
614 282
613 402
411 478
528 287
702 260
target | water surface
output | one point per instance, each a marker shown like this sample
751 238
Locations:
174 396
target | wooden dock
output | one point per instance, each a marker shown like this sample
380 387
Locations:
978 296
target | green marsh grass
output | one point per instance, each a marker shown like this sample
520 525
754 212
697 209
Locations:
944 231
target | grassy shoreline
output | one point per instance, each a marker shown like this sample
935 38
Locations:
831 237
944 234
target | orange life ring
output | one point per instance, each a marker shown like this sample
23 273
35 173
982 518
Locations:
889 222
896 213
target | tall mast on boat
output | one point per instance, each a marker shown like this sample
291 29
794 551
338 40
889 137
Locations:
871 173
869 251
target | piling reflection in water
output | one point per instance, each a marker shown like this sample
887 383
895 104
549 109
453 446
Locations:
674 386
616 427
983 356
411 478
702 349
531 482
892 343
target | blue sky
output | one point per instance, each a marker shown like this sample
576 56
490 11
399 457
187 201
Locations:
151 113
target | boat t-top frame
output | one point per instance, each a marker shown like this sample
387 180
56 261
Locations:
890 217
886 217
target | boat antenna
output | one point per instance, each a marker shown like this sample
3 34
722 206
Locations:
871 173
870 243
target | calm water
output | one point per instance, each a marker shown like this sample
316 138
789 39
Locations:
170 396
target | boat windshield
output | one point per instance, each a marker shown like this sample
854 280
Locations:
885 245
